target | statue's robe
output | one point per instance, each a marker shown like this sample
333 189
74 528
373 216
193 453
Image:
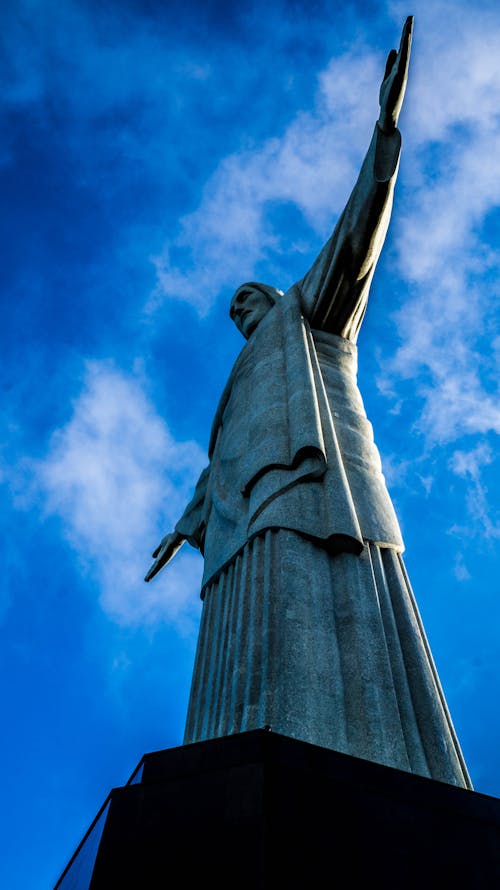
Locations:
309 624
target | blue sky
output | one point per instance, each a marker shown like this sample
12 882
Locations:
155 156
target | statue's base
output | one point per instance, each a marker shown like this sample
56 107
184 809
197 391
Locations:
261 810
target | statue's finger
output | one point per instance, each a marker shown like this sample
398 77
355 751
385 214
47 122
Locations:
407 31
164 557
405 45
150 573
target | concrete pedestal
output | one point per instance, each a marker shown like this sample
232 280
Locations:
259 810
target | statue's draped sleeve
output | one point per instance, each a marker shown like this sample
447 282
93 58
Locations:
192 523
334 292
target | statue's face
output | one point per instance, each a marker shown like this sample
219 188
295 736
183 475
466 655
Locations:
248 308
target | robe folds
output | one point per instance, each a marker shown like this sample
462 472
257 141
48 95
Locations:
309 624
291 447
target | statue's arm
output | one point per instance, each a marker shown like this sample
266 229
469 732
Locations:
335 290
190 528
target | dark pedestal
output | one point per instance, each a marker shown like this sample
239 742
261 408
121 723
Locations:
261 810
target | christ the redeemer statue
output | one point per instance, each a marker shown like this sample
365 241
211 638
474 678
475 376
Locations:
309 624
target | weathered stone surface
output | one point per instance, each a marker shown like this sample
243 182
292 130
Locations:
309 623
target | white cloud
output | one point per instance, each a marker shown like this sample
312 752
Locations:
454 69
468 465
119 481
453 146
313 165
460 570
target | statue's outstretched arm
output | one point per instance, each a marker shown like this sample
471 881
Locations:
334 292
189 528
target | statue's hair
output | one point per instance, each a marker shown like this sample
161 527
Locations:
271 294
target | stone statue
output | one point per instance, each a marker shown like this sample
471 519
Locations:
309 624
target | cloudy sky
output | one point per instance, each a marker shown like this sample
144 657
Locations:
154 156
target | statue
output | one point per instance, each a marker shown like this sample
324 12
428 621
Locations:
309 624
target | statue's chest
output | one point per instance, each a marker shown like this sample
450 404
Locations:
232 440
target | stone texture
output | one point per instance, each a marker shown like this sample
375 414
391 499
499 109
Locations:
309 623
328 650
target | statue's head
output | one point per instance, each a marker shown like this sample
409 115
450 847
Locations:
250 303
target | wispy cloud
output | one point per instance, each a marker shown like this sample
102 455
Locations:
460 570
469 465
311 166
118 480
446 250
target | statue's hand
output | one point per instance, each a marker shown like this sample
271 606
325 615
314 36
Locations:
393 86
165 551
